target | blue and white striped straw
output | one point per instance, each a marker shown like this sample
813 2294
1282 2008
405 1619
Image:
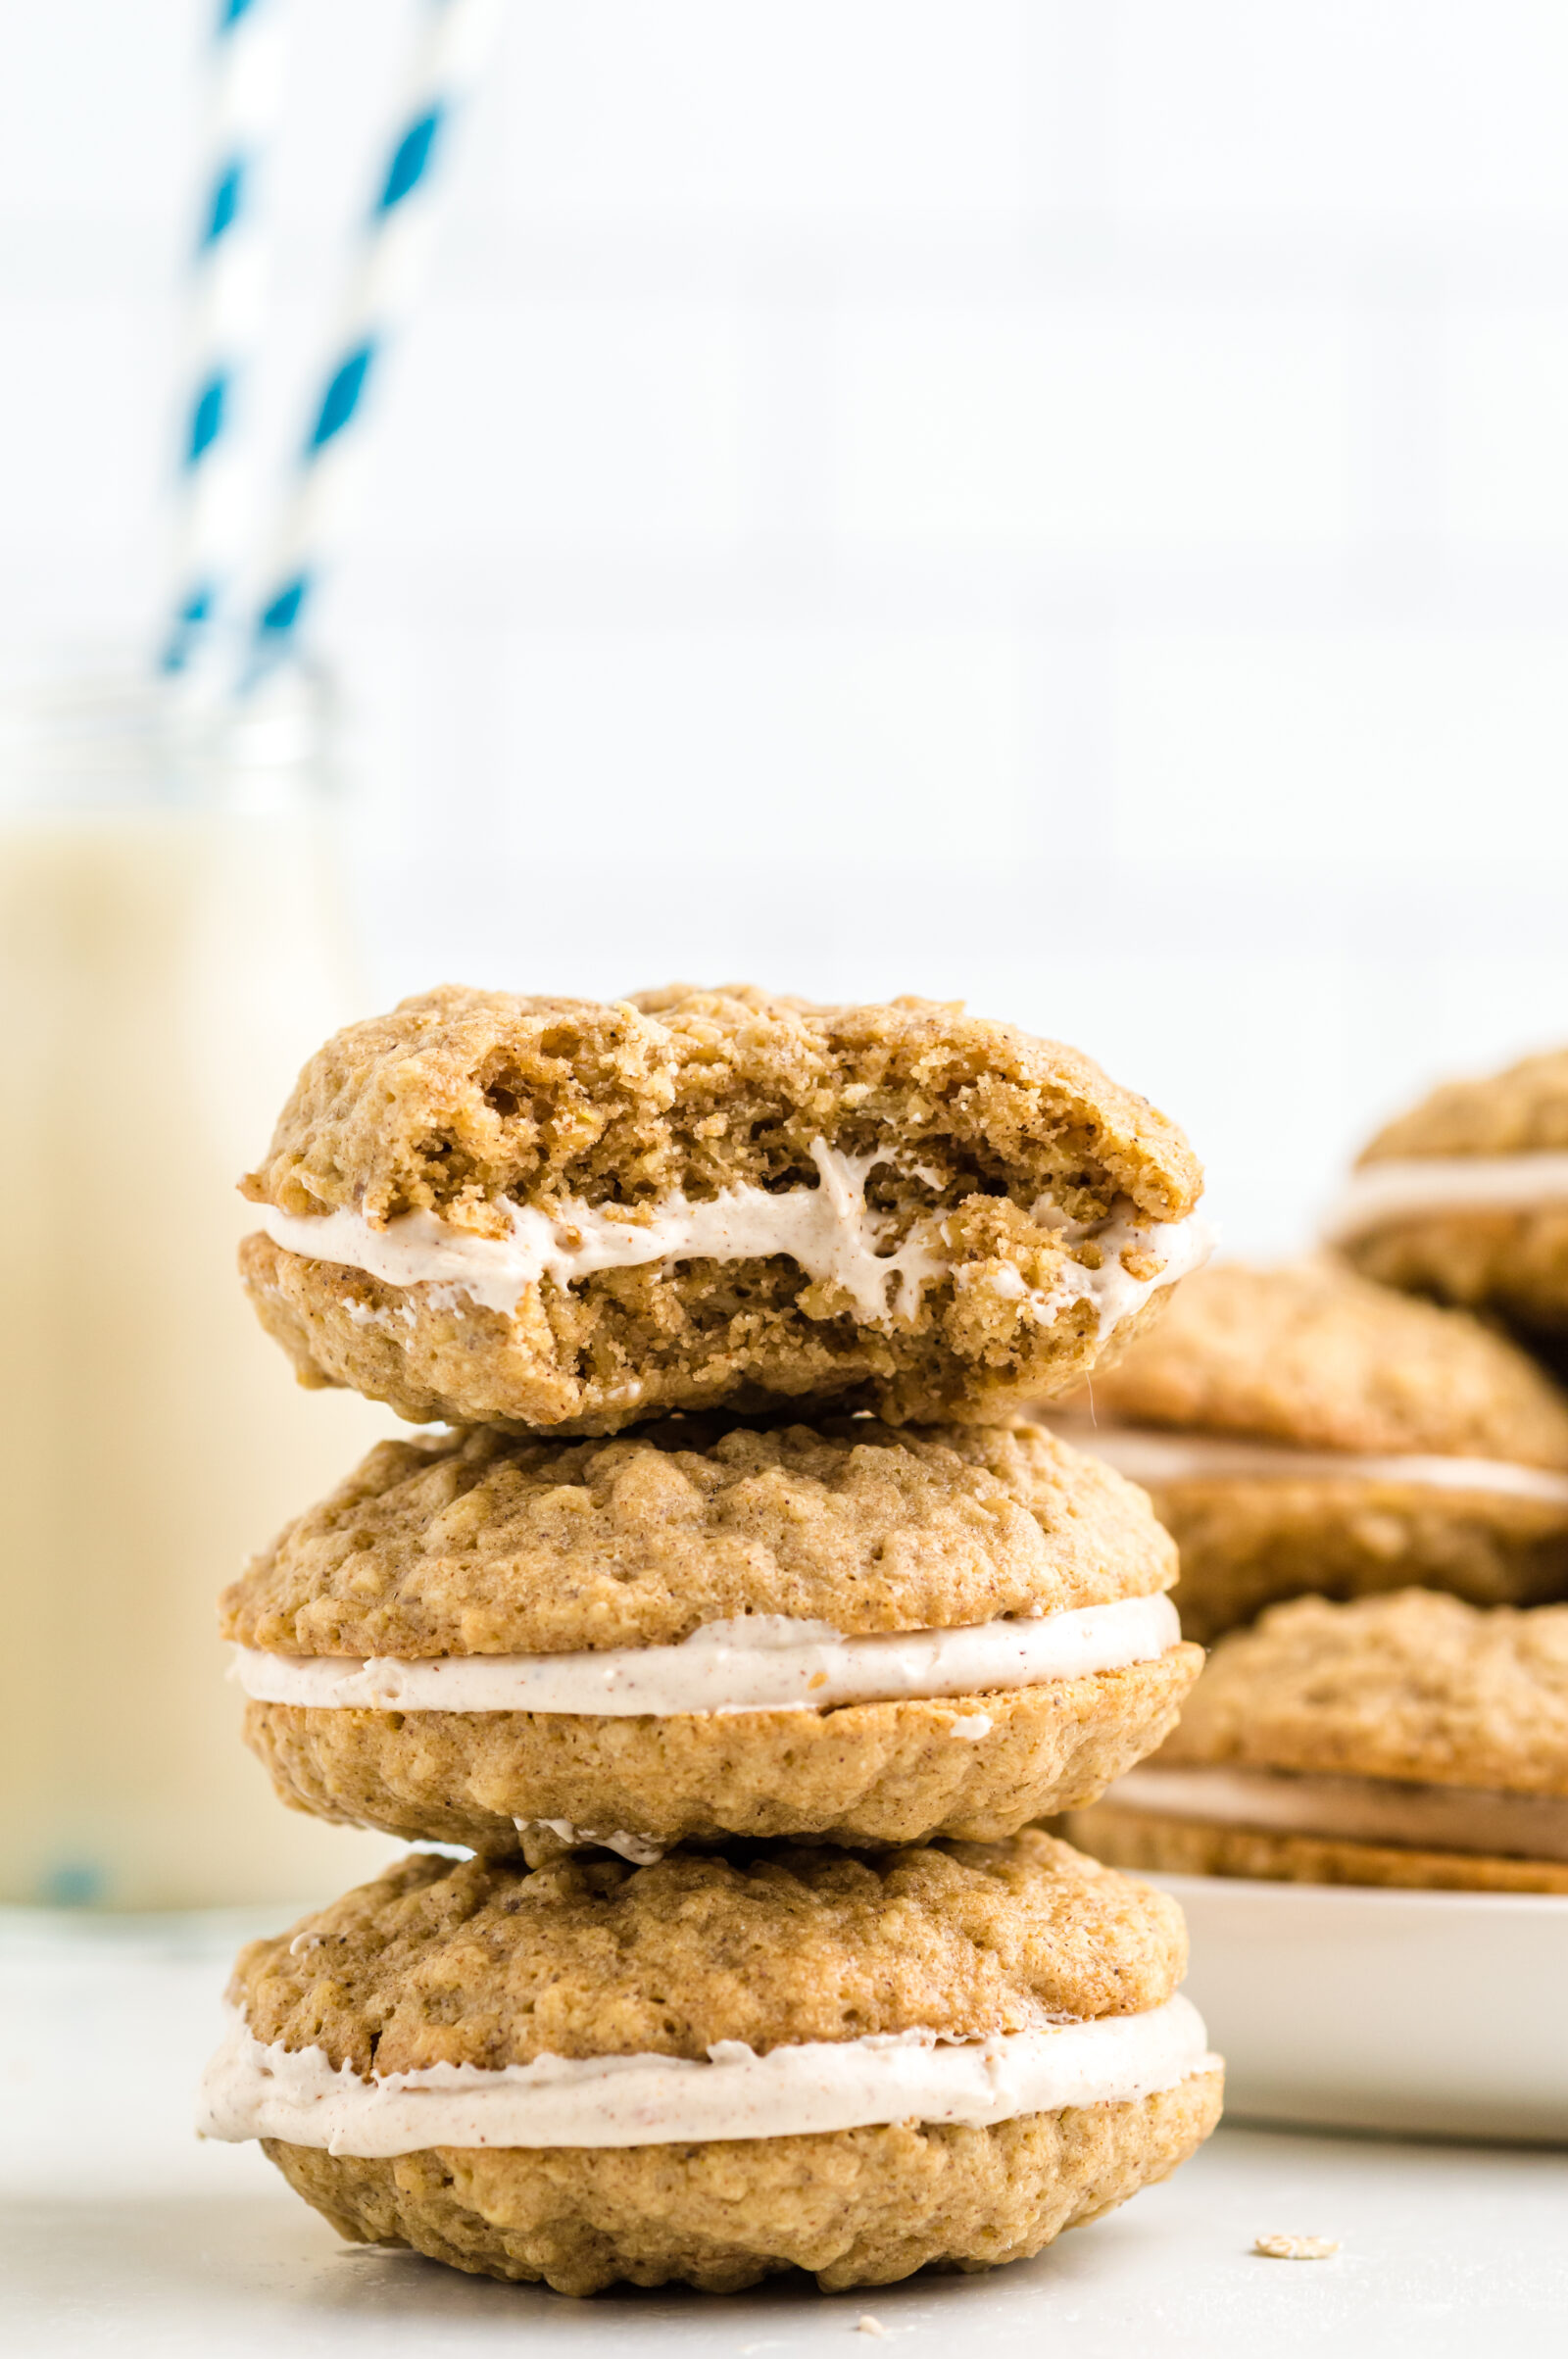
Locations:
226 309
394 253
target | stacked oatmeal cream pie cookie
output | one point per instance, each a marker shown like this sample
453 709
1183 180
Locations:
1316 1428
1300 1429
733 1623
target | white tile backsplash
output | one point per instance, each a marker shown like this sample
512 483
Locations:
1413 118
1504 393
1378 750
1062 506
1096 424
552 420
811 744
676 113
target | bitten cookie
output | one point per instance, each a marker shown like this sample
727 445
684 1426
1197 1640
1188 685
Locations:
555 1213
1466 1197
707 1629
1409 1740
1300 1429
713 2069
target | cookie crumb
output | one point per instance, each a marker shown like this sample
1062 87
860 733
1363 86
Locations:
1296 2248
868 2325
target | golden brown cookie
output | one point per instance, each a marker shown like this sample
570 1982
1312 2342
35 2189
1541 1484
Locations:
1409 1739
1301 1429
1153 1843
976 1766
855 2208
871 2034
707 1627
1465 1198
558 1214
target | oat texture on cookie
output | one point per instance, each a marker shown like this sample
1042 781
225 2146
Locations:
1465 1198
637 1552
1407 1739
488 1963
568 1214
471 1977
488 1542
1301 1429
1410 1685
859 2207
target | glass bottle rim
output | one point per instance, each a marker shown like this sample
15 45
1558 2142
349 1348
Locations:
102 732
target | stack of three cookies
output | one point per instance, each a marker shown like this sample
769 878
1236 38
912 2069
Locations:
734 1630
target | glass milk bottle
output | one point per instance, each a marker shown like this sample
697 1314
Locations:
171 950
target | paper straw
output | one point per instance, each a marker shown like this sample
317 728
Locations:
394 252
226 309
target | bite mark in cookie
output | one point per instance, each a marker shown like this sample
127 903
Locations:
554 1213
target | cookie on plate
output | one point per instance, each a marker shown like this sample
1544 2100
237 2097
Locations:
545 1212
1409 1740
716 2068
1301 1429
1466 1197
707 1629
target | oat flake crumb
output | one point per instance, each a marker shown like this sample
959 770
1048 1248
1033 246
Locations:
1296 2248
869 2325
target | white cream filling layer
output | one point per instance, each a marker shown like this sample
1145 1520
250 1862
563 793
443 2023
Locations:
830 1230
251 2090
1393 1191
1377 1810
1146 1456
753 1663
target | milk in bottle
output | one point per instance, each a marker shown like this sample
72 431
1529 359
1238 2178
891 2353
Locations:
171 950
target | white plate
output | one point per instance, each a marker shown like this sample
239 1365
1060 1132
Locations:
1370 2010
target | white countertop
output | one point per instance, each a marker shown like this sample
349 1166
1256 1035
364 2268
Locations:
121 2233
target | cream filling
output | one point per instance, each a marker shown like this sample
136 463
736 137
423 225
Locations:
830 1230
252 2091
1145 1456
753 1663
1376 1810
641 1849
1383 1192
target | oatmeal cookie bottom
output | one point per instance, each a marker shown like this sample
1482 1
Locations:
626 1345
1248 1544
974 1767
1513 1261
856 2207
1139 1838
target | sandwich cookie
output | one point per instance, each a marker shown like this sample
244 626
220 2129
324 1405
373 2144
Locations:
1466 1197
1410 1740
542 1213
1300 1429
716 2067
707 1629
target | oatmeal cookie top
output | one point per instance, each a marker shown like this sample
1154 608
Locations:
487 1964
461 1101
483 1542
1315 1355
1413 1684
1523 1110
